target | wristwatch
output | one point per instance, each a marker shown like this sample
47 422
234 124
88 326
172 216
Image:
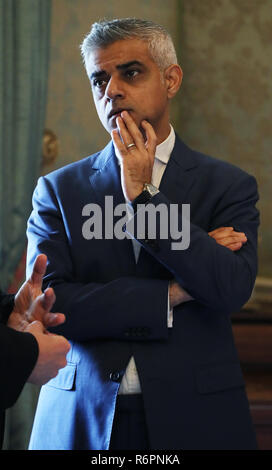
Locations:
148 192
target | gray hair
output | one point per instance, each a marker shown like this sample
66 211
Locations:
106 32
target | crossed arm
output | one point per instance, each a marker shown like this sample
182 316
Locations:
225 236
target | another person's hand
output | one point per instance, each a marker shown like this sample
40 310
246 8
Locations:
31 304
52 354
31 314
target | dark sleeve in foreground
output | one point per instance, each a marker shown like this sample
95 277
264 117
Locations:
18 355
6 306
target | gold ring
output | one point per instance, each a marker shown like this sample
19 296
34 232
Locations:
129 146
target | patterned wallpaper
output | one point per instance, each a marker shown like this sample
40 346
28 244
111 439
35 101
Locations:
226 98
224 106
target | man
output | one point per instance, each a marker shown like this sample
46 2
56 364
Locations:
152 363
28 352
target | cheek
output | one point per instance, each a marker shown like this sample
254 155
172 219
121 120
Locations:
100 109
155 96
154 104
98 101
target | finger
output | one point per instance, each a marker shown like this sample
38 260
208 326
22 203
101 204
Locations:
235 246
53 319
133 130
234 235
151 138
48 299
124 134
122 150
42 305
220 229
39 270
229 240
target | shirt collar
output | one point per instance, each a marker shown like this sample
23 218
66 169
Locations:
164 150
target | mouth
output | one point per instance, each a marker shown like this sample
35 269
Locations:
116 112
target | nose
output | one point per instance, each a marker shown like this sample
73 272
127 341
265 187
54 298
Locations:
114 89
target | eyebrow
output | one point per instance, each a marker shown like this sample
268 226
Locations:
129 64
97 74
102 73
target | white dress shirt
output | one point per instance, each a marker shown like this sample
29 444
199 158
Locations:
130 382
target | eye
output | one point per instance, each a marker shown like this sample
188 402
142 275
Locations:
99 82
132 73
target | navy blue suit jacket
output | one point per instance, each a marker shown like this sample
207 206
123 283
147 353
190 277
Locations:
190 375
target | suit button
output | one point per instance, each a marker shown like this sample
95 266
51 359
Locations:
115 376
138 332
146 331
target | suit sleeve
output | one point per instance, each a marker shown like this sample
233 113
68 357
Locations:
127 308
212 274
6 306
18 356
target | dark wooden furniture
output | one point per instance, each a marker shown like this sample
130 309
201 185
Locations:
252 329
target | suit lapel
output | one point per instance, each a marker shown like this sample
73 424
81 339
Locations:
180 175
106 181
177 182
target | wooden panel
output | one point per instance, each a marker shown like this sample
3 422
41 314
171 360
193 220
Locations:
262 419
258 384
253 342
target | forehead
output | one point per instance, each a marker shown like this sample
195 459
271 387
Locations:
118 53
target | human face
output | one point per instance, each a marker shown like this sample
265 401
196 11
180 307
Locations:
124 76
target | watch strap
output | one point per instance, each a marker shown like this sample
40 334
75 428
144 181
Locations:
148 192
143 198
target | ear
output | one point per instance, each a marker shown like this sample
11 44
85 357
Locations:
173 78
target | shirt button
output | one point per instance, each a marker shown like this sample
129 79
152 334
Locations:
115 377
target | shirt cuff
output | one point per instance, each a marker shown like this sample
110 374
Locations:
169 312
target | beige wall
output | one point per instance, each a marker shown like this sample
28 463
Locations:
224 106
